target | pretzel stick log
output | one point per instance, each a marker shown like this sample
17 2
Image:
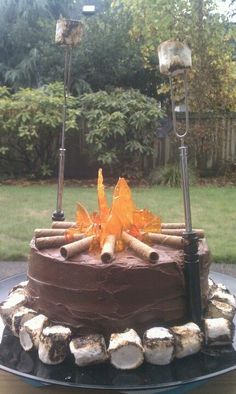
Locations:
179 232
48 232
172 225
63 224
139 247
108 249
56 241
76 247
170 240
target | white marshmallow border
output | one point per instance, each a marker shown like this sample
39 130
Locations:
155 346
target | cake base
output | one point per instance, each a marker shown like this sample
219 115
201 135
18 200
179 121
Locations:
94 297
183 373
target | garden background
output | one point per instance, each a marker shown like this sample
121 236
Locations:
119 113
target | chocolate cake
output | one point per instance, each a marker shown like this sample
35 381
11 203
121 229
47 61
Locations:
125 311
93 296
112 287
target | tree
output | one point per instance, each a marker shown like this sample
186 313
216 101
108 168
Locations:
196 21
26 50
107 56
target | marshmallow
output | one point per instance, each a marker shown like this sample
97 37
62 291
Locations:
218 332
54 344
158 344
188 339
87 350
174 57
21 316
30 332
68 32
14 301
125 350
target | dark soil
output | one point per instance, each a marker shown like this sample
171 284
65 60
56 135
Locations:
220 181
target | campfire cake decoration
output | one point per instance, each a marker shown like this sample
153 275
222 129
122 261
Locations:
119 309
108 233
111 229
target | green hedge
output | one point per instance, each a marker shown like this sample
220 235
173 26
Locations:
117 130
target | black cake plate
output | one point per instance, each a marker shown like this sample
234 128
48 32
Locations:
178 377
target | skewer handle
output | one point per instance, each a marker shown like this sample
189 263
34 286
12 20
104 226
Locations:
192 278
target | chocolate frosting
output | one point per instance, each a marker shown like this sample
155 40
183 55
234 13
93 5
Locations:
92 296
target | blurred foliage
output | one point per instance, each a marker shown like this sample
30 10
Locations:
107 57
118 129
118 56
119 47
170 175
30 125
121 128
210 35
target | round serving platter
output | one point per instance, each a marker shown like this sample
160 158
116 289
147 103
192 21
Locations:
181 374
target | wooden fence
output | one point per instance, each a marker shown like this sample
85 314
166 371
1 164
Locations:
211 140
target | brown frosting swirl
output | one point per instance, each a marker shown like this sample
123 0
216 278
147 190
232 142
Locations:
87 294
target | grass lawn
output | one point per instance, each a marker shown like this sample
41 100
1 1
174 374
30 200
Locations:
24 208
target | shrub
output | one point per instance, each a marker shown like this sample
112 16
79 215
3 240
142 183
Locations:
120 130
30 125
170 175
114 130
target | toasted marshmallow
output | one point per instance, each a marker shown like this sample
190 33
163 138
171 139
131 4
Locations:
220 293
21 316
218 332
30 332
87 350
21 285
125 350
54 344
174 57
158 345
68 32
216 308
188 339
14 301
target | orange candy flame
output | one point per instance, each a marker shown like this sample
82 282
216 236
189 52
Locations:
123 215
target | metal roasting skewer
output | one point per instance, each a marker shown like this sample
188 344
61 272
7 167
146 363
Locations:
58 215
192 274
183 152
68 34
174 59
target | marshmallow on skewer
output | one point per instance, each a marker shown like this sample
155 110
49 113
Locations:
218 332
158 345
68 32
30 332
174 57
125 350
15 300
54 344
21 316
188 339
88 350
